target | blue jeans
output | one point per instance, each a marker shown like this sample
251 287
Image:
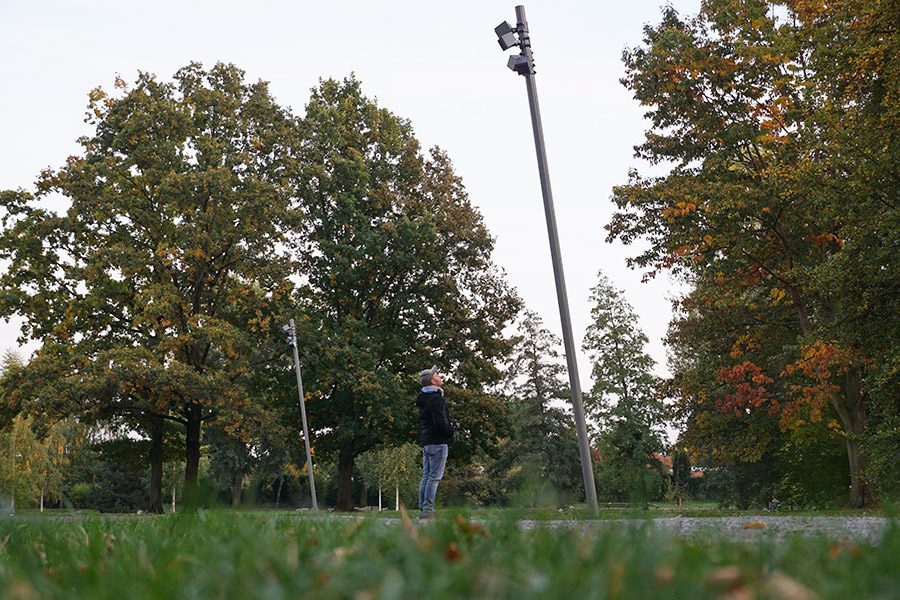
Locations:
434 459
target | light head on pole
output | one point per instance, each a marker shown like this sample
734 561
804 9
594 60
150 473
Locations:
519 64
506 35
290 336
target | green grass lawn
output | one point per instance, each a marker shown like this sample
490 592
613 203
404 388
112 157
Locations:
223 554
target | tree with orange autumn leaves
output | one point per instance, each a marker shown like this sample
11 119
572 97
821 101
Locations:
780 123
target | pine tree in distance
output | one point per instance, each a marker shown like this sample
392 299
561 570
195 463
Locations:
540 459
624 404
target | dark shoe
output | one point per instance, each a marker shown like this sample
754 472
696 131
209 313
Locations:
427 516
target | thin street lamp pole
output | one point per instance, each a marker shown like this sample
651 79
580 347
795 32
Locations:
587 471
292 340
12 505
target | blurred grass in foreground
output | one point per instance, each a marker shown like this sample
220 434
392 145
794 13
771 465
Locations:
239 555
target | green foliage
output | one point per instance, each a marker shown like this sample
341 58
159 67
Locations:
21 465
742 485
883 457
620 366
393 469
33 465
113 487
10 405
230 461
813 467
627 469
474 483
681 474
326 474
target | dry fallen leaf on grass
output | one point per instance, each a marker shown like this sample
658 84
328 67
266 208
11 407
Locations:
724 577
664 575
755 525
407 524
783 587
741 593
842 546
452 552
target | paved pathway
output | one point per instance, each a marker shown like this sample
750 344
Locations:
743 528
861 529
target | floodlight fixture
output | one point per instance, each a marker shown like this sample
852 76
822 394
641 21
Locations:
519 64
503 28
290 334
506 35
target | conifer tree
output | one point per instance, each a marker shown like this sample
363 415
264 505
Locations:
624 402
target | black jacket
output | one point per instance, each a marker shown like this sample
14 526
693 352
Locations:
434 420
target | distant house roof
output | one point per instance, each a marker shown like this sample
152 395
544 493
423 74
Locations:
665 460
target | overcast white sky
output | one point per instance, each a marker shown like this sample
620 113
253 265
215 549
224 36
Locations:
435 63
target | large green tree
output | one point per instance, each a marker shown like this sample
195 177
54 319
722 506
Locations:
780 123
397 275
153 289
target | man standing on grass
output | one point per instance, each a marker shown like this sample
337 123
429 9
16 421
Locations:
437 433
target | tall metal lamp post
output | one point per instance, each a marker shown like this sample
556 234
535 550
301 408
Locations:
523 64
291 331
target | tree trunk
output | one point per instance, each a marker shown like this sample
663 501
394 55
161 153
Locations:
236 490
42 499
860 495
278 495
364 496
851 408
156 463
192 464
397 497
379 497
345 478
173 498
